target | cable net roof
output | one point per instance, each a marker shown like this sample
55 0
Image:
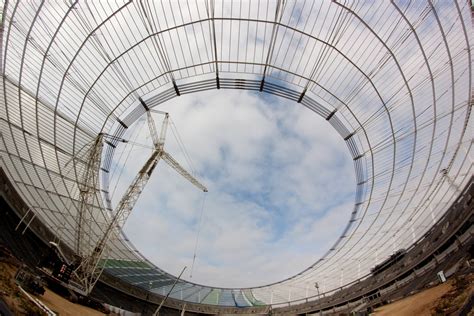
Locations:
394 79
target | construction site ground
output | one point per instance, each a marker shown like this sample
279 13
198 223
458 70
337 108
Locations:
62 306
442 299
19 304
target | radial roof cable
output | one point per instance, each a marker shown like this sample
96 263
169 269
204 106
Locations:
358 157
147 108
110 144
122 123
302 95
144 104
175 86
348 136
331 115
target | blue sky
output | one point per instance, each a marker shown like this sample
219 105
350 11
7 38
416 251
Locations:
280 189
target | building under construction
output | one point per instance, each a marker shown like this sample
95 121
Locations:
392 78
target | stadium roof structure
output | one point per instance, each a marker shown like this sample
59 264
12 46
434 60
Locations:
393 78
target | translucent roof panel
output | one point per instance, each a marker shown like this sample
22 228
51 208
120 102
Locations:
393 78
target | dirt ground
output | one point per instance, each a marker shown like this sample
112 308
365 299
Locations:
19 304
62 306
16 301
419 304
443 299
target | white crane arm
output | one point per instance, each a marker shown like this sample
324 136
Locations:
176 166
152 128
90 267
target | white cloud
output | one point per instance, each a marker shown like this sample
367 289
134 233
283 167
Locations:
280 190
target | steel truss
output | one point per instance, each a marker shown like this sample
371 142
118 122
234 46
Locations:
393 79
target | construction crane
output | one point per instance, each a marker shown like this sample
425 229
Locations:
92 265
88 193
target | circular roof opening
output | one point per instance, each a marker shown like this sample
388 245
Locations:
280 180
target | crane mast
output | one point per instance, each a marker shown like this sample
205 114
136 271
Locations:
91 267
87 192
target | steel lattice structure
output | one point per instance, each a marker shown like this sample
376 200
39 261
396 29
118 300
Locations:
394 79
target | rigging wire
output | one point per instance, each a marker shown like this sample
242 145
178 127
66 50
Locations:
122 168
180 142
197 236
